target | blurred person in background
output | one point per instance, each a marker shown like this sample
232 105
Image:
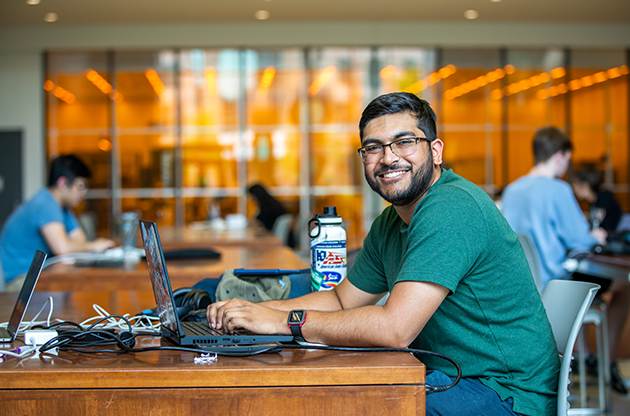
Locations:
46 222
543 207
605 211
269 209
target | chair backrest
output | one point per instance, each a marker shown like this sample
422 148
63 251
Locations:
566 302
282 227
1 279
532 259
87 221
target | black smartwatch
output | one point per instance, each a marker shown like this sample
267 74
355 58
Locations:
295 322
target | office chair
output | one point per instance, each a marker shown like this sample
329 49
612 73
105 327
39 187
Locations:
1 279
596 315
532 259
282 227
566 303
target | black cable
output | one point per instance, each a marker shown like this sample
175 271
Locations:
59 324
71 339
429 389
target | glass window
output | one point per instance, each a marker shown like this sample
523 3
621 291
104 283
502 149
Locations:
599 115
337 83
172 133
529 107
471 120
274 90
78 102
145 119
211 139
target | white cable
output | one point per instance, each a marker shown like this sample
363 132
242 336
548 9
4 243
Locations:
50 311
20 352
138 322
26 326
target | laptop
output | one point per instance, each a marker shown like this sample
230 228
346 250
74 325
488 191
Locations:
9 334
197 334
114 257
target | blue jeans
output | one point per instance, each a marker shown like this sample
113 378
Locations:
468 398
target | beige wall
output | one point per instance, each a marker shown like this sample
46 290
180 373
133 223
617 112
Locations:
21 108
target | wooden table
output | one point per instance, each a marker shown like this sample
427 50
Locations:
607 266
189 237
614 267
293 382
135 276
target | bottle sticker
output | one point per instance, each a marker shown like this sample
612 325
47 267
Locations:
328 264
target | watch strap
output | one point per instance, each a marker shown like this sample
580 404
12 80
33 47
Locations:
295 321
296 330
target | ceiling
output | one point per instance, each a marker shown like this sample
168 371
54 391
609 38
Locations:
111 12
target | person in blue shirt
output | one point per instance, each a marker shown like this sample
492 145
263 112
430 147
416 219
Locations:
46 222
543 207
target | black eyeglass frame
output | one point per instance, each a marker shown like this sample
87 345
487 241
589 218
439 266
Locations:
362 149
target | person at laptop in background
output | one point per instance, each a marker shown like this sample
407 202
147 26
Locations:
605 211
543 207
269 210
46 222
458 279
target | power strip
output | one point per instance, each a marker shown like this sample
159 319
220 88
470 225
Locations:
38 336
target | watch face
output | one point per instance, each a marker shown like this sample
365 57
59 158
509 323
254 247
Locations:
297 316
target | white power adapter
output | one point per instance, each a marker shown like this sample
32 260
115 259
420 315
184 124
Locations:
38 336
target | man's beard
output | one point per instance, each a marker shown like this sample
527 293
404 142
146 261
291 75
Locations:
420 183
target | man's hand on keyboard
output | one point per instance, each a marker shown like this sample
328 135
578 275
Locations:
236 313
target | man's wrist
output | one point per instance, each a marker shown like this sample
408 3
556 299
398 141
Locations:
295 320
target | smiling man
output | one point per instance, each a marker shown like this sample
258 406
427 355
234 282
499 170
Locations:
46 222
458 279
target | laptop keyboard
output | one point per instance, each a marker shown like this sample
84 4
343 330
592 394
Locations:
199 328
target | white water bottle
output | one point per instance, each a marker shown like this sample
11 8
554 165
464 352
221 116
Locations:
328 250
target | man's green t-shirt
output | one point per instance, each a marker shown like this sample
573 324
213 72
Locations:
493 322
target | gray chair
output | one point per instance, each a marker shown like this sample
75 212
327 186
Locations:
596 315
282 227
532 259
1 279
87 221
566 303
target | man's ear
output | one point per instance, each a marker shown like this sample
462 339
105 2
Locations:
437 146
559 156
62 182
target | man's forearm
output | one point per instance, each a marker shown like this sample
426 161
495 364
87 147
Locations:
321 301
368 326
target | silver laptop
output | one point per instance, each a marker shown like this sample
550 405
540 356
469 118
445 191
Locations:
114 257
9 334
197 334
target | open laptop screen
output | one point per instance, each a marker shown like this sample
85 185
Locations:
129 237
27 292
159 277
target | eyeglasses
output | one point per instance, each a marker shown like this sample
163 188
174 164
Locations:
402 147
81 186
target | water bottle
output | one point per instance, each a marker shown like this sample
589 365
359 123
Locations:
328 250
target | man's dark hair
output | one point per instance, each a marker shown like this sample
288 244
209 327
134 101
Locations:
68 166
549 141
592 176
401 102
